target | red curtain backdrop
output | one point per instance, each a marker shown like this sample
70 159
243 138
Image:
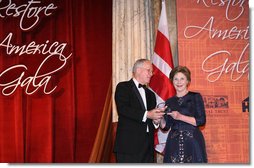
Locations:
61 126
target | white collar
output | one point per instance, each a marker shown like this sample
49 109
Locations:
136 82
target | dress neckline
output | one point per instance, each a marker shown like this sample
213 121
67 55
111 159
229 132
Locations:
183 95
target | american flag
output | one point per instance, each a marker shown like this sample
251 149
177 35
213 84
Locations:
162 64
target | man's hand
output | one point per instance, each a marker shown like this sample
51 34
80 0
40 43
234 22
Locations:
156 114
157 121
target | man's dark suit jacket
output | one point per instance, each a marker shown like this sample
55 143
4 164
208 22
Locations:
131 130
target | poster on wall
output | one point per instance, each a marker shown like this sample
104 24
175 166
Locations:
213 41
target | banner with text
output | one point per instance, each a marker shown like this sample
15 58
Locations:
213 41
52 54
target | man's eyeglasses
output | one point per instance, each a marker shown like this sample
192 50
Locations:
149 70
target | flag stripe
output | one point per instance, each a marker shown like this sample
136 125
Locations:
158 98
161 64
161 84
163 23
162 48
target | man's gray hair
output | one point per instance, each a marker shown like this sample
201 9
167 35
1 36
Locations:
139 63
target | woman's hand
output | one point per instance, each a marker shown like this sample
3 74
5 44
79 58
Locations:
178 116
175 115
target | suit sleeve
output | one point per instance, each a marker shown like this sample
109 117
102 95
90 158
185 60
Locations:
124 103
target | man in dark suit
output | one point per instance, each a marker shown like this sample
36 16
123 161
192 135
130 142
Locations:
138 116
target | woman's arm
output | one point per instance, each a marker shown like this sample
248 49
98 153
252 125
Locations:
178 116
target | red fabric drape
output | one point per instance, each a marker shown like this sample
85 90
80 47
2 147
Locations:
61 126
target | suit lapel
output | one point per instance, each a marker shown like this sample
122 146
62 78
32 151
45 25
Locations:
147 99
135 90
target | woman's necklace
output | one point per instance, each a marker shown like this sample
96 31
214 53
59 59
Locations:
181 99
